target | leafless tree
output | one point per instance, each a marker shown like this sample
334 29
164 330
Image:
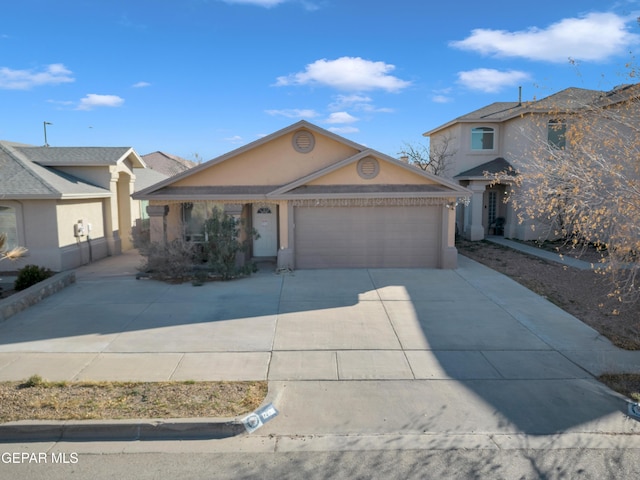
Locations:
587 188
435 159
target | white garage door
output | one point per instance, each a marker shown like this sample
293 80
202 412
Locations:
367 237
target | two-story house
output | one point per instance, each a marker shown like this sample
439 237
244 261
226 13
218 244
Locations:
504 136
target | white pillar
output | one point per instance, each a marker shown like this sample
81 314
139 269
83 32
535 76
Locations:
473 223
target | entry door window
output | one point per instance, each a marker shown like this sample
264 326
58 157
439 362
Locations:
492 207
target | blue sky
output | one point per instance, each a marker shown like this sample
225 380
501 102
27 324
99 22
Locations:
198 78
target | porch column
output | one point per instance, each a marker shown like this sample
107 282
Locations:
110 215
473 223
285 220
449 257
158 223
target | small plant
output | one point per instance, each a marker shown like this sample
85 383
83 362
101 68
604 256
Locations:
30 275
224 243
33 381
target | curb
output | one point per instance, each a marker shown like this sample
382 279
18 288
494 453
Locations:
35 293
115 430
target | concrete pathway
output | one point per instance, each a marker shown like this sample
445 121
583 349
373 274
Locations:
546 254
378 351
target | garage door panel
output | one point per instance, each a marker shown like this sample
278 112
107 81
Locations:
361 237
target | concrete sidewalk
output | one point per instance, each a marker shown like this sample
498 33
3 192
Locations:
379 351
545 254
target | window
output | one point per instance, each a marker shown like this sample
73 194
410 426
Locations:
193 217
482 138
556 134
9 225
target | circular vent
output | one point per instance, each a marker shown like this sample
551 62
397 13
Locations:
368 168
303 141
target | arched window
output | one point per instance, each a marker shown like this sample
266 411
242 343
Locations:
9 225
482 138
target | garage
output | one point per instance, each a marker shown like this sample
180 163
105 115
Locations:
367 237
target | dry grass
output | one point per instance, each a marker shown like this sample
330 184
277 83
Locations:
37 399
627 384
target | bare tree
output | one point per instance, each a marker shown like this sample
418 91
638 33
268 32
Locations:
585 184
435 159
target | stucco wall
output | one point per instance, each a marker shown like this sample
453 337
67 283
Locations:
70 212
388 174
274 163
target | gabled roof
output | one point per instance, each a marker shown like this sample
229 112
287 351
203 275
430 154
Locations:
298 188
80 156
22 179
569 99
440 185
493 167
167 164
250 146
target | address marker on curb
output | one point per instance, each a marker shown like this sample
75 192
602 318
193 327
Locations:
255 420
634 410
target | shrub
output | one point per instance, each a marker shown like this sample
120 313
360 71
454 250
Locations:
171 261
223 234
30 275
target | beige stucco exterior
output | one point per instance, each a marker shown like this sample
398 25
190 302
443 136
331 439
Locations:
46 226
272 173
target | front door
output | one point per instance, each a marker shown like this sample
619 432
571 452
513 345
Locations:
265 221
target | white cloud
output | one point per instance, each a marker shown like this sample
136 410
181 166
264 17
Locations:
341 117
347 73
141 85
490 80
441 99
593 37
344 130
293 113
235 139
358 103
259 3
93 100
53 74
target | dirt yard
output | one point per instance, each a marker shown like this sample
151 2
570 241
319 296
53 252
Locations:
581 293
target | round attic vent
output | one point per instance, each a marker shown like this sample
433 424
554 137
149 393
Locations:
303 141
368 168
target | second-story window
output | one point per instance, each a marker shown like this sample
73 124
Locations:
556 134
482 138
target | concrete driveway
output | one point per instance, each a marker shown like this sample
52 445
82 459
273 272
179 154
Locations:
366 351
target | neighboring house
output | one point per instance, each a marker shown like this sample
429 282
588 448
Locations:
69 205
501 136
317 200
167 164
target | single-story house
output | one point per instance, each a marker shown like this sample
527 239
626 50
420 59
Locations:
317 200
70 205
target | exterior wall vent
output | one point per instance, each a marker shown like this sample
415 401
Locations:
368 168
303 141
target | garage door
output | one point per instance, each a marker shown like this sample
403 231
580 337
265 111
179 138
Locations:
367 237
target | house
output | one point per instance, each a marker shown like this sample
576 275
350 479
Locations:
166 163
501 137
317 200
70 205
